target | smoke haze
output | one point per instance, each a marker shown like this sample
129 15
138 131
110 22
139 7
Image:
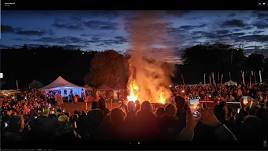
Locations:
147 32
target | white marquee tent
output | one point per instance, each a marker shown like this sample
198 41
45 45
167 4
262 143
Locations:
64 87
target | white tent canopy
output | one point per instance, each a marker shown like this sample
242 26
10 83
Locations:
230 83
64 87
60 82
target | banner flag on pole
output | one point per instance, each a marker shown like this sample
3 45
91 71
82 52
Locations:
17 84
204 78
260 76
221 77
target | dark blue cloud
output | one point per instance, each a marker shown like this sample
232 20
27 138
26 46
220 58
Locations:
68 25
200 34
62 40
254 38
121 39
234 23
250 46
234 35
220 35
94 39
25 32
78 41
231 15
35 45
261 25
184 32
257 32
173 30
128 26
70 46
223 32
262 14
4 46
85 35
100 25
31 32
76 18
100 44
113 41
191 27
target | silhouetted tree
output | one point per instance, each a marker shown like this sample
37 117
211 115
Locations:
255 62
108 68
35 84
44 64
216 57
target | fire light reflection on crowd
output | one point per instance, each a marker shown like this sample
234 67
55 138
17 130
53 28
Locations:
236 114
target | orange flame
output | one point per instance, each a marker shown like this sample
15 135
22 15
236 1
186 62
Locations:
133 91
135 94
162 98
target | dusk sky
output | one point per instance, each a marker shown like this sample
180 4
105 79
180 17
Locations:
102 30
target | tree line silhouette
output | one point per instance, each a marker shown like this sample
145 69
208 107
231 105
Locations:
97 68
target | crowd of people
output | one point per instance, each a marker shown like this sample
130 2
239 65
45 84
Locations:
54 96
30 118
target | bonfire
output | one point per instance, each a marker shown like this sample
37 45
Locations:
133 91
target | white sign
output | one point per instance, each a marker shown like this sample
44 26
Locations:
1 75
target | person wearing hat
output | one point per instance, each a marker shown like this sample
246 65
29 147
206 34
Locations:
63 119
64 132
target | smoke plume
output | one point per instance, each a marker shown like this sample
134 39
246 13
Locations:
148 53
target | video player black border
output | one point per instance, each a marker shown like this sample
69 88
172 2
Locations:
135 145
134 4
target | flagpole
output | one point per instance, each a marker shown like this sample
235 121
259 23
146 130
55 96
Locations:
243 77
221 77
17 84
213 78
255 79
204 78
218 77
260 76
209 79
182 78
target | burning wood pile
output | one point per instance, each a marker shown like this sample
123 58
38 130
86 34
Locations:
149 78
